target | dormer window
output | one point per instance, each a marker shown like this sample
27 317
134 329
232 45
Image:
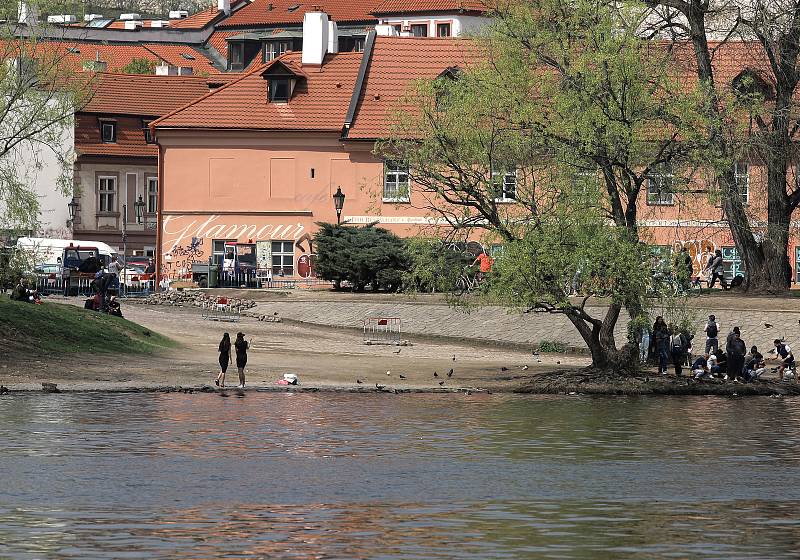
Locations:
281 81
279 90
108 132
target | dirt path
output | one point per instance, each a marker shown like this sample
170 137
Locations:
321 357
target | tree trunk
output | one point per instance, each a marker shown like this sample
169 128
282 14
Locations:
599 338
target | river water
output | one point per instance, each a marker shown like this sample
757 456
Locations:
276 475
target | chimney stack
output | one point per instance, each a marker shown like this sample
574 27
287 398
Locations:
333 37
315 38
224 6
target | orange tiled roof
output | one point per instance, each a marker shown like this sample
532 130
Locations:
197 20
146 95
395 64
420 6
219 42
259 13
130 138
176 55
75 54
200 19
319 102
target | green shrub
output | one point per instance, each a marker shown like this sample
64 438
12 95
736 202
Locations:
549 346
361 256
433 266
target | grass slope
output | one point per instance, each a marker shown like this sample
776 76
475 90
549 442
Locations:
57 328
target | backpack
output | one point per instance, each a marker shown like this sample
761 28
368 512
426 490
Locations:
677 341
712 330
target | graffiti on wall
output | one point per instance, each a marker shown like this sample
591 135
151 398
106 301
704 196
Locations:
701 251
183 238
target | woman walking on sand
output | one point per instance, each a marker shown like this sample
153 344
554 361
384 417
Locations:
224 359
241 356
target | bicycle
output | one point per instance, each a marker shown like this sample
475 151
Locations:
467 282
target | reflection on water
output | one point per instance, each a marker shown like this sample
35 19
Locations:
357 476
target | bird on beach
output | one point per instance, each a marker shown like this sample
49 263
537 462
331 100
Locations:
558 361
359 381
525 367
454 357
767 325
389 372
3 390
450 373
435 374
504 368
397 351
402 376
380 387
534 352
441 383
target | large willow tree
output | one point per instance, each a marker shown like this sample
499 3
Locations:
565 100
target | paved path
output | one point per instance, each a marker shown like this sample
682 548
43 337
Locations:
430 316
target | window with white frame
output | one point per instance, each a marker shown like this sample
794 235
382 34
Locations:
107 194
395 181
282 258
443 30
504 184
741 174
660 189
218 250
152 195
108 132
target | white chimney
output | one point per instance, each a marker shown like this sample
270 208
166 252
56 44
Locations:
129 17
62 18
166 70
333 37
178 14
315 37
224 6
27 14
92 17
133 24
385 30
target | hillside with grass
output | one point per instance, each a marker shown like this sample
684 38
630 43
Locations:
52 328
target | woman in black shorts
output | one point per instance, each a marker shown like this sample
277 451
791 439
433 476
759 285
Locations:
224 358
241 356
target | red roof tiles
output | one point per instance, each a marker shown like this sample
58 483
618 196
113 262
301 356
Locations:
146 95
197 20
319 102
291 11
423 6
130 138
218 40
395 64
181 55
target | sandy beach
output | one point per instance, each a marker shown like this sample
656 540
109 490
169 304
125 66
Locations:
321 357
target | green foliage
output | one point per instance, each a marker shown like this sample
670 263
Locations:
40 89
56 328
140 66
549 346
360 256
15 263
434 266
540 269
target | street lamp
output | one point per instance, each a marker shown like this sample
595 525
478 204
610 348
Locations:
139 204
73 209
338 202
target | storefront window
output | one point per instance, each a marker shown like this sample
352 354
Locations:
282 258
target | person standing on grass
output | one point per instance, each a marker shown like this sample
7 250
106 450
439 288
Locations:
712 335
224 359
241 356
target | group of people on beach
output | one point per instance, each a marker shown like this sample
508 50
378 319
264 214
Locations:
671 344
241 346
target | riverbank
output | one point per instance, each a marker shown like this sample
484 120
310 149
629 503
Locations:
330 355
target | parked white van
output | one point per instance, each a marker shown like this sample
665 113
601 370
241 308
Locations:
49 251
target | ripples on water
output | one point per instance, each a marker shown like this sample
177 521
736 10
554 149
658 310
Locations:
370 476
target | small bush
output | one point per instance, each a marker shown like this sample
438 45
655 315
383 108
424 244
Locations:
548 346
